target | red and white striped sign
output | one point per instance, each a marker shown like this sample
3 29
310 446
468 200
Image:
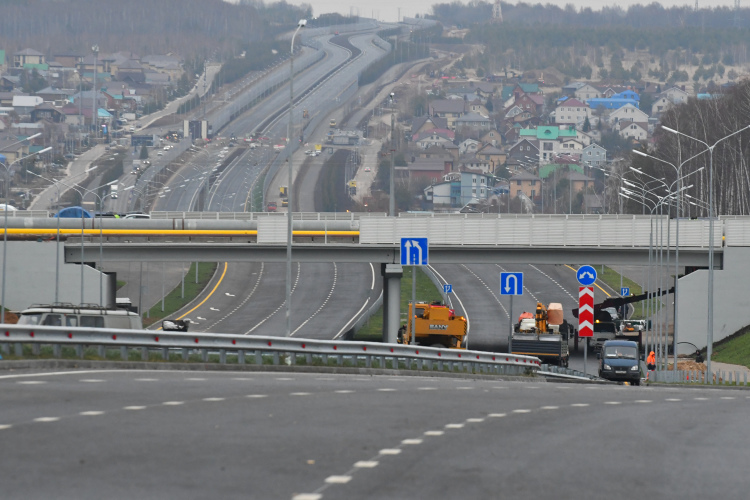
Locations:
586 311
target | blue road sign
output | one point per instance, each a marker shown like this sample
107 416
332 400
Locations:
511 283
447 288
414 252
624 291
586 275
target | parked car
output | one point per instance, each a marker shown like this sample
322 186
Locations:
271 206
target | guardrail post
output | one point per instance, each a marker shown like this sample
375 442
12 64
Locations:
5 348
57 350
276 357
745 378
368 361
223 356
308 358
79 350
165 354
324 357
144 354
241 357
340 359
258 358
419 364
35 349
185 354
440 365
204 355
100 351
123 353
18 348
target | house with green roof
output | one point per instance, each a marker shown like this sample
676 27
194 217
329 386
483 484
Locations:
550 139
2 60
518 90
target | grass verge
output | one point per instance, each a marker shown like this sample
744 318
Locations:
612 279
372 331
734 350
174 301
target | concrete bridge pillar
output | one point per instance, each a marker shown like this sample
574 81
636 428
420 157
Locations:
392 274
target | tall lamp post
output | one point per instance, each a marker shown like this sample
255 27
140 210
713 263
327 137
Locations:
5 217
94 107
391 182
289 188
710 149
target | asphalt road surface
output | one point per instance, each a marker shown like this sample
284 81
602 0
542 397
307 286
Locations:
176 435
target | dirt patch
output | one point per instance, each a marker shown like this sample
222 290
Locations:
689 365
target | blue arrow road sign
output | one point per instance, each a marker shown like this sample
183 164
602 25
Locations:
447 288
414 252
511 283
586 275
624 291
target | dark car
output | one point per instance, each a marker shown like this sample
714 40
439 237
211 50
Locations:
618 361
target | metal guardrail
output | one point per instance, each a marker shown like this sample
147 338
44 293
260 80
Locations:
562 372
719 377
239 346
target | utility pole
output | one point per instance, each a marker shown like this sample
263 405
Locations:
391 184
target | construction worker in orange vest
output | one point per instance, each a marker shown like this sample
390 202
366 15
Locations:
650 363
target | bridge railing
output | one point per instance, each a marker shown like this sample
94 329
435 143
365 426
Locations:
242 348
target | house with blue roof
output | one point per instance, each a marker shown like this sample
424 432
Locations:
616 101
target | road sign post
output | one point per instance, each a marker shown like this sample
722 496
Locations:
414 252
586 276
511 284
447 288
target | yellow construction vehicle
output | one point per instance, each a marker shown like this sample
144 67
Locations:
436 326
332 123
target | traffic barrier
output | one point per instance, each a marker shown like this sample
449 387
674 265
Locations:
240 346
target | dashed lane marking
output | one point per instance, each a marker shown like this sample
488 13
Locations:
307 496
134 408
496 415
673 399
173 403
703 399
464 388
195 379
427 388
474 420
92 380
91 413
520 410
147 380
612 403
213 399
47 419
300 394
642 401
338 479
256 396
579 405
32 382
344 391
549 407
728 397
386 390
411 441
5 426
454 426
389 451
366 464
434 433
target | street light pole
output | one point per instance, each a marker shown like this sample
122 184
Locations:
391 182
289 189
94 107
710 149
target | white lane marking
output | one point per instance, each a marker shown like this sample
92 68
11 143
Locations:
256 396
728 397
387 390
549 407
427 388
147 380
92 380
134 408
434 433
338 479
705 399
243 379
344 391
389 451
532 387
612 403
229 294
521 411
300 394
307 496
213 399
52 374
325 302
32 382
5 426
672 399
372 286
642 401
346 326
580 405
173 403
47 419
214 309
91 413
366 464
284 378
496 415
474 420
411 441
464 388
195 379
454 426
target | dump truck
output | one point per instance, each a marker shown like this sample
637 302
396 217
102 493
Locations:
543 334
436 326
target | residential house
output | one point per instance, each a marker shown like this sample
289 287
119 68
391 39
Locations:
469 146
634 130
448 109
550 139
533 103
527 184
427 122
474 186
52 94
571 88
526 151
29 59
434 137
592 204
660 105
477 106
9 82
579 182
516 91
493 155
165 64
629 113
429 169
130 71
475 163
473 121
676 95
13 147
571 147
68 60
594 155
47 111
492 137
87 65
23 104
571 111
445 194
616 101
586 92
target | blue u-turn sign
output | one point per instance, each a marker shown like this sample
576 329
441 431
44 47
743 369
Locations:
586 275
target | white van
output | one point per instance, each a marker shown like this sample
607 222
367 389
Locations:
88 316
113 191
